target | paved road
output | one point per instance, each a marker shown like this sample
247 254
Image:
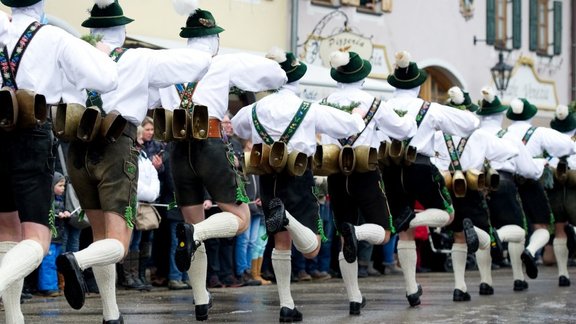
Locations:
325 302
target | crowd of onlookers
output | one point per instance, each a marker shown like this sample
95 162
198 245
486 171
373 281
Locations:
240 261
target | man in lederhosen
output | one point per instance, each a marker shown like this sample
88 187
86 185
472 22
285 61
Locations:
290 207
42 59
419 180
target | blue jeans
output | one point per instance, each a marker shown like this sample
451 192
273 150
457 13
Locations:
173 272
388 250
70 238
47 272
246 244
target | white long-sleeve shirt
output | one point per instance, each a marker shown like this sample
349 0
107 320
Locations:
247 72
385 119
55 57
148 182
480 145
140 69
438 118
543 139
523 164
275 112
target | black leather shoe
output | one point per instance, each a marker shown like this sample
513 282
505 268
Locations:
186 246
470 235
402 222
530 264
520 285
201 311
414 299
75 287
563 281
356 307
288 315
486 289
570 239
120 320
350 245
460 295
276 219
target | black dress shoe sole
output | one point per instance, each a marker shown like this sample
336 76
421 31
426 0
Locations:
120 320
486 290
471 235
201 311
520 285
276 219
460 296
75 287
414 299
186 246
290 315
563 281
530 264
350 246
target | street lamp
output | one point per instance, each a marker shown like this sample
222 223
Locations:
501 73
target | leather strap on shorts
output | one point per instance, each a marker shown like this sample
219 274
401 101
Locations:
214 128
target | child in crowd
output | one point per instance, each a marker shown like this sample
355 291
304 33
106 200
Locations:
48 279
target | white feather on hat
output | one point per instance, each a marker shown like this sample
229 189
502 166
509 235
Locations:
277 54
103 3
339 58
456 95
185 7
403 59
517 106
488 94
562 112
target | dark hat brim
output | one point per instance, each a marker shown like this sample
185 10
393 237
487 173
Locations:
193 32
525 115
490 110
563 126
352 77
19 3
106 22
408 84
472 107
298 73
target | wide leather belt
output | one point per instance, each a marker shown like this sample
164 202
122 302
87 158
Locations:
214 128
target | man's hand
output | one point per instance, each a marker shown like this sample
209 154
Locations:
207 204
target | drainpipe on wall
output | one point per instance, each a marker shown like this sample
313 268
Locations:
573 50
294 28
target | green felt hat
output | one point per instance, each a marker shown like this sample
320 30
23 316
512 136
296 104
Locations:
348 67
406 74
294 69
460 99
521 109
200 23
106 14
564 120
490 104
19 3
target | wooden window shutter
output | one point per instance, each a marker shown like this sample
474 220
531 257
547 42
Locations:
533 26
557 27
490 21
516 24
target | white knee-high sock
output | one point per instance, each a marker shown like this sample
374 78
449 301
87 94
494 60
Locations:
20 261
105 276
349 273
432 217
511 233
538 240
11 295
197 274
483 238
407 258
100 253
515 250
220 225
371 233
484 261
282 265
459 255
304 239
561 253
